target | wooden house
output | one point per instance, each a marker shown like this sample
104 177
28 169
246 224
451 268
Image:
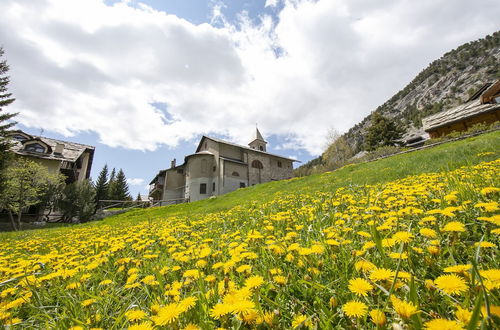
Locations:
482 107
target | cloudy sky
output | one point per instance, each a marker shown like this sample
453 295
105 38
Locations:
143 80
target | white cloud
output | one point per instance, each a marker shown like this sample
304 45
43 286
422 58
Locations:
135 182
271 3
82 65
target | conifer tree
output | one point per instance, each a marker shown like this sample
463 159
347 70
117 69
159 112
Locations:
112 185
121 191
101 185
139 198
5 100
382 132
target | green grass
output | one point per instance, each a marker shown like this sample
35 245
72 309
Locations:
444 157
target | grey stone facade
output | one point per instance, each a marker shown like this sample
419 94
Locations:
218 167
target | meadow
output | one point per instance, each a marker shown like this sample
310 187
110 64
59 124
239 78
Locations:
410 241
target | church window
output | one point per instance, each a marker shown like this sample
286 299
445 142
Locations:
213 186
35 147
279 164
203 166
261 148
257 164
203 188
214 168
235 173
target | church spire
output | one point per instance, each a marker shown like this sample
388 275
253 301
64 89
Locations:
258 142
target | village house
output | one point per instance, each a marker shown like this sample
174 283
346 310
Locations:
218 167
74 160
482 107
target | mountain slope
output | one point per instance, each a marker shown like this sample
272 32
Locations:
445 83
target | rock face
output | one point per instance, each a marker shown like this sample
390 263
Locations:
445 83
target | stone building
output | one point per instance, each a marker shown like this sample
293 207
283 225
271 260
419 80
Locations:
218 167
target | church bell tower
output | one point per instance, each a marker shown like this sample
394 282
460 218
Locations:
258 143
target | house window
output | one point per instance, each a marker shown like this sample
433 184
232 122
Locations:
235 173
279 164
203 188
257 164
213 186
203 166
35 147
242 185
214 168
19 137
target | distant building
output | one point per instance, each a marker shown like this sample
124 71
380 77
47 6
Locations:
74 160
482 107
218 167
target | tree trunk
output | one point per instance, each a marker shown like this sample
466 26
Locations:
19 226
12 221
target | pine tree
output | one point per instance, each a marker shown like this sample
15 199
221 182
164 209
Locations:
112 185
101 185
121 187
382 132
5 100
139 198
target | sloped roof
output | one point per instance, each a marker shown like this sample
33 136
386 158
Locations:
240 146
70 152
464 111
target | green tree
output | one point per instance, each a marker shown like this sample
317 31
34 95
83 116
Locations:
139 198
78 200
5 123
121 192
382 132
101 185
338 152
112 184
26 182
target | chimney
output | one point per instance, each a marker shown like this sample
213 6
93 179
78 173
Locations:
59 149
172 163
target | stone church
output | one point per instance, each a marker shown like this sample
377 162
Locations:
218 167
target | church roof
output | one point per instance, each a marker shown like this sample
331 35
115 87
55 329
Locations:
258 136
240 146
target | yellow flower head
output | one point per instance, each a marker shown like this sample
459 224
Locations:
451 284
378 317
354 308
360 286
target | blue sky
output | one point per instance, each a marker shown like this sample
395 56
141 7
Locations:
142 81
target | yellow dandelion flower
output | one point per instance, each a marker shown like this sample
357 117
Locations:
443 324
105 282
364 266
187 303
402 237
457 269
381 274
167 314
88 302
451 284
254 281
485 244
454 226
268 318
300 320
135 315
378 317
354 308
191 326
360 286
403 308
427 232
463 315
489 190
220 310
397 255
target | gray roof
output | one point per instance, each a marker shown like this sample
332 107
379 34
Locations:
481 102
462 112
70 153
246 148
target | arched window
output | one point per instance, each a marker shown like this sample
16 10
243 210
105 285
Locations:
257 164
19 137
35 147
235 173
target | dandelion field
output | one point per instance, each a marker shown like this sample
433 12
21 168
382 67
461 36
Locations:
420 252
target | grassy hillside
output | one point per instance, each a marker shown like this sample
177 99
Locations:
367 245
